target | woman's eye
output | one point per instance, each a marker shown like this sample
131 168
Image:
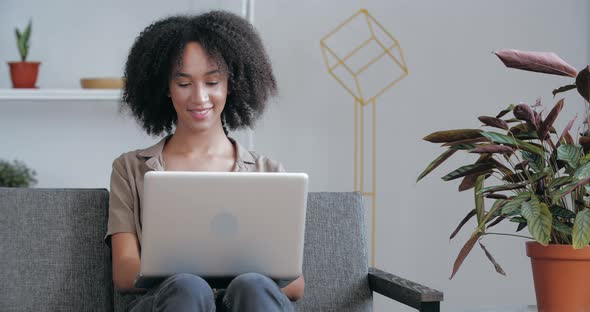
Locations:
184 85
212 83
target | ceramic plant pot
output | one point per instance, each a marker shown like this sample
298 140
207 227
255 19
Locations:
561 274
24 74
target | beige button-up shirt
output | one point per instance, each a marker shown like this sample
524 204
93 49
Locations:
127 182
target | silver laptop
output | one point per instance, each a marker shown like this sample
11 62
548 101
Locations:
219 225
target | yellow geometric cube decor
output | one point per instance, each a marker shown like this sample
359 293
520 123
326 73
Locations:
367 61
368 65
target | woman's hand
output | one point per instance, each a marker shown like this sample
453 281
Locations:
294 291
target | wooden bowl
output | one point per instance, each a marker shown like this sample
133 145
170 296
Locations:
102 83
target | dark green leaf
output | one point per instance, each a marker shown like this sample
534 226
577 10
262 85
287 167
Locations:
505 187
563 89
518 220
513 205
504 139
570 154
561 212
27 33
468 169
495 222
529 135
521 226
583 140
496 196
583 171
536 162
435 163
556 196
517 177
560 227
506 111
558 182
581 232
539 219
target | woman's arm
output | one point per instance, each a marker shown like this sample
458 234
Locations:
126 260
295 289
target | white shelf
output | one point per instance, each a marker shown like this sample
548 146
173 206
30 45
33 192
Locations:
60 94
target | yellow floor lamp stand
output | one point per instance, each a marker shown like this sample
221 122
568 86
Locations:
367 61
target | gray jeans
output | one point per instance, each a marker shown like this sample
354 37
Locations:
187 292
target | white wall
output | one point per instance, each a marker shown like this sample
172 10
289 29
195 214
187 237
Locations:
453 78
69 143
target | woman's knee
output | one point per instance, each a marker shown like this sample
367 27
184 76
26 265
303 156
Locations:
185 285
251 282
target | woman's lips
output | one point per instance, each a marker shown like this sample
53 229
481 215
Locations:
200 114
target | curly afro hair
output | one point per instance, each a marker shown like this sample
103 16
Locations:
231 41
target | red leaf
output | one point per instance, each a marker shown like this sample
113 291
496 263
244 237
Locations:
526 113
500 149
462 223
541 62
494 122
566 130
548 122
464 252
494 262
583 83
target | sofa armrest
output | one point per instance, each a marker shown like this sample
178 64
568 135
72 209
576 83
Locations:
404 291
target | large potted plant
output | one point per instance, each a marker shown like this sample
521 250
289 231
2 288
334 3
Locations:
23 74
537 177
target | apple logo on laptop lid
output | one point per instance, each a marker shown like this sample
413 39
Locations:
224 224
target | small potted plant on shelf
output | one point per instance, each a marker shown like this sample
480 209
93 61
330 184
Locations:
23 74
16 174
539 178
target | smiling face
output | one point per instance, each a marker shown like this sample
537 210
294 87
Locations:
198 89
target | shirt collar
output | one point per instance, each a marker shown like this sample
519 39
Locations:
155 161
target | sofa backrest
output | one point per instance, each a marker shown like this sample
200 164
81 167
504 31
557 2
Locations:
335 265
53 257
52 253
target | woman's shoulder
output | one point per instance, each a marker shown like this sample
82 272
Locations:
263 163
255 162
135 158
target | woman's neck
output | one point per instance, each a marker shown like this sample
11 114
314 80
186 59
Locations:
213 142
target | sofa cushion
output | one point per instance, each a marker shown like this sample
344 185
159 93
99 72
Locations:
53 257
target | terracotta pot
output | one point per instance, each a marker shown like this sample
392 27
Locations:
24 74
561 274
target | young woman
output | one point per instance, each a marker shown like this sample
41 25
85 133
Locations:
195 77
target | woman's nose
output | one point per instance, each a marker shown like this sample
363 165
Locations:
200 95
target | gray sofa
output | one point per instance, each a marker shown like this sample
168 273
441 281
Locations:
53 257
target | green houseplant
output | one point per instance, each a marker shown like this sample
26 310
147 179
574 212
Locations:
23 74
536 176
16 174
